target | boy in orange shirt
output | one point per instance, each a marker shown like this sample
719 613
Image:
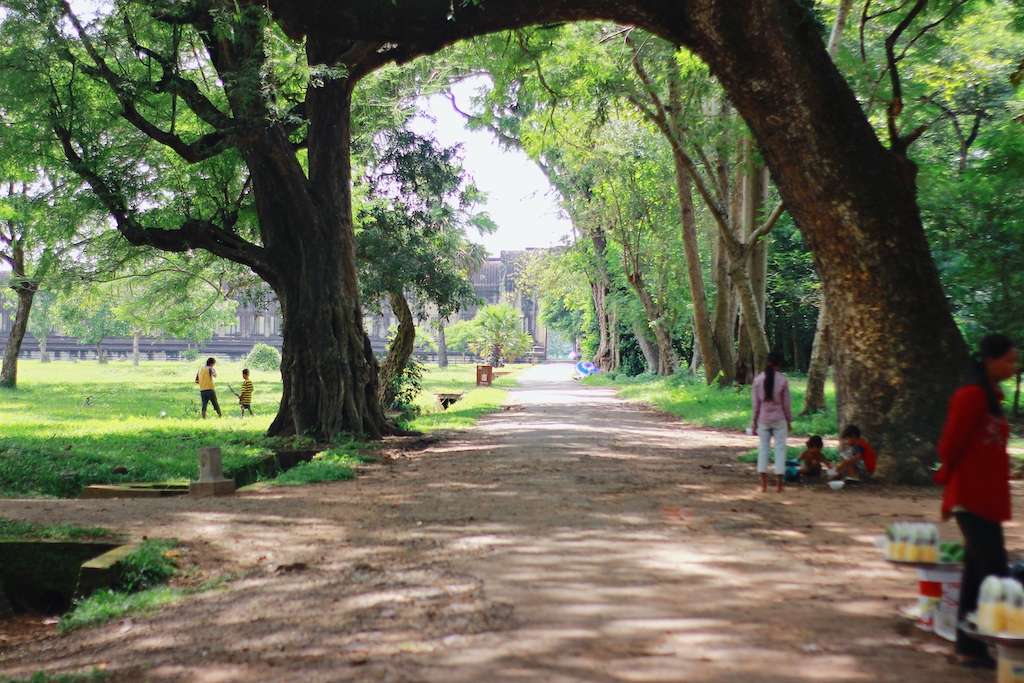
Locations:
859 458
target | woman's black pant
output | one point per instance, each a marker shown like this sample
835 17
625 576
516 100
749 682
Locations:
984 555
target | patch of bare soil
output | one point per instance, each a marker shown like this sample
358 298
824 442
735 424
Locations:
576 538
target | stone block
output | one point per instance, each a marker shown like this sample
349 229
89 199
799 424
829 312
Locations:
103 571
210 467
221 487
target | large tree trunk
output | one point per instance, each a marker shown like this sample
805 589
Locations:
442 345
817 371
328 368
44 355
649 351
135 348
401 349
101 357
898 352
9 372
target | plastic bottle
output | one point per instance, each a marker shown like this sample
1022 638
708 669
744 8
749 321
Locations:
930 551
991 605
900 535
1014 607
914 541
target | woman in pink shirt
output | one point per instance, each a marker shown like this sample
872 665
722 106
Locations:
772 418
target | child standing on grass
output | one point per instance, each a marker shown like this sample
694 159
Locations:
245 396
772 418
858 457
812 460
207 394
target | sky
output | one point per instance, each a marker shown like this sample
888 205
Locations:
519 198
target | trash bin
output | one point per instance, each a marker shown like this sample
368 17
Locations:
484 375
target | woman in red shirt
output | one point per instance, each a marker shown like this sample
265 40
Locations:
975 471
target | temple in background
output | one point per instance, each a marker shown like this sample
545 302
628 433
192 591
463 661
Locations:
494 283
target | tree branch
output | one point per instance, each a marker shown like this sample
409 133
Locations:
768 224
896 101
193 233
205 147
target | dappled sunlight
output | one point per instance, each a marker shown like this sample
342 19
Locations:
583 541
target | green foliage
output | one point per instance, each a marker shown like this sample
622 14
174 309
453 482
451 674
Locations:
139 589
416 207
708 406
10 528
407 384
190 355
147 566
264 357
105 605
495 333
475 403
332 465
72 424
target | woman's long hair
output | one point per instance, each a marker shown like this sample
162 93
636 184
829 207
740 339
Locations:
992 346
772 363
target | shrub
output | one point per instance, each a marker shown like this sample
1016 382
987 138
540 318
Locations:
328 466
264 357
190 354
407 384
148 566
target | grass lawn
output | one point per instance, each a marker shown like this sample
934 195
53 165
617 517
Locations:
704 406
475 403
70 424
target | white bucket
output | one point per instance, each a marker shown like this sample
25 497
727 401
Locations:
945 620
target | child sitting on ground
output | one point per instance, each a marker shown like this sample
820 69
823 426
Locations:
812 460
858 457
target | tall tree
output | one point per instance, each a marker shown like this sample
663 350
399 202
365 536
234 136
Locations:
412 239
769 56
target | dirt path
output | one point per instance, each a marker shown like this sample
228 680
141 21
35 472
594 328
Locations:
573 538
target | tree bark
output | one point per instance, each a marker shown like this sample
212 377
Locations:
702 328
44 355
898 352
725 313
817 371
442 345
651 356
329 372
401 349
135 349
607 357
101 357
9 372
696 360
654 312
842 14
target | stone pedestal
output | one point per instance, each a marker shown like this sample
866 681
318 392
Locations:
211 476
